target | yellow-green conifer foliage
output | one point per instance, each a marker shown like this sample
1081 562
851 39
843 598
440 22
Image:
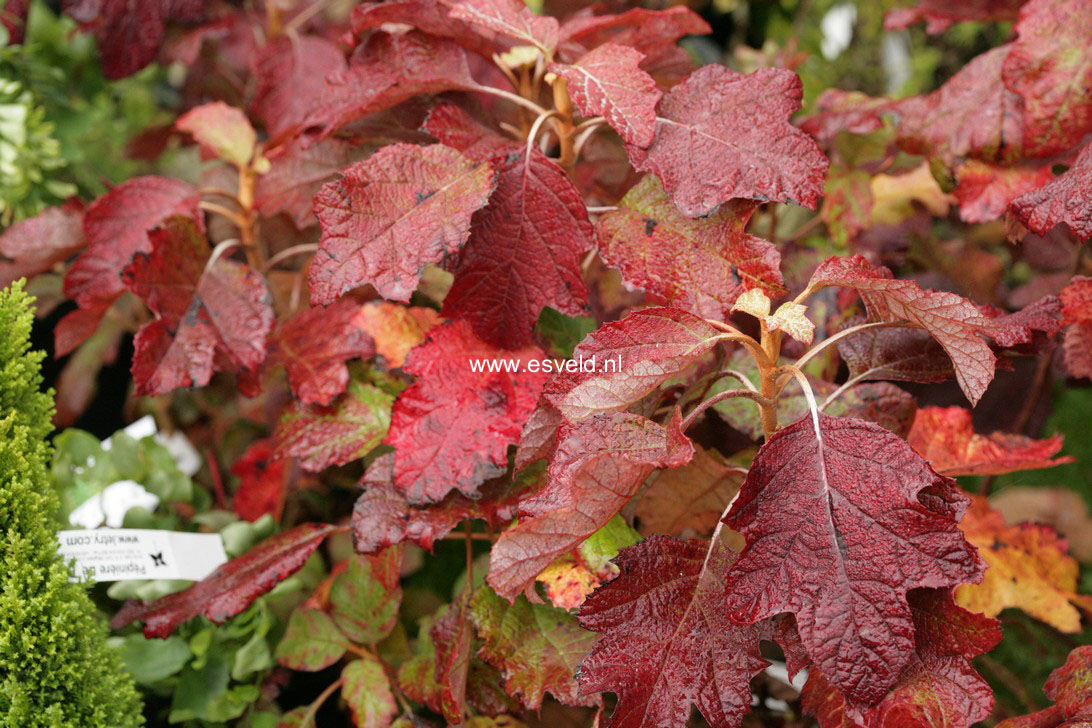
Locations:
55 668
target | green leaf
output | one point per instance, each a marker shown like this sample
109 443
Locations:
150 661
311 642
368 693
563 333
365 597
604 544
203 693
537 647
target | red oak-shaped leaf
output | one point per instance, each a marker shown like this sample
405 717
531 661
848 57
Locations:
429 16
321 436
628 359
939 15
385 71
956 323
261 472
985 190
698 264
537 647
290 72
296 173
837 534
722 134
383 517
665 642
648 31
691 498
392 213
510 19
525 247
946 438
1050 66
116 227
938 686
971 115
231 588
34 245
1077 314
609 82
395 329
453 426
313 346
208 317
1065 199
598 465
223 131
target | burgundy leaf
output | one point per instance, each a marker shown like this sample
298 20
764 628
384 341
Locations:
985 190
609 82
701 265
939 15
231 588
116 227
297 171
524 252
390 214
722 134
208 317
290 72
665 641
599 464
837 535
314 344
1077 314
452 427
901 355
647 31
261 474
626 360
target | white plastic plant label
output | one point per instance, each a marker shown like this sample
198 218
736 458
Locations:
124 554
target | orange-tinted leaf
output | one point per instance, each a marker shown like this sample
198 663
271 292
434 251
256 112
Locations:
838 533
1050 66
313 346
451 429
598 465
665 642
392 213
688 501
208 317
1029 569
116 227
222 130
538 648
946 438
609 82
395 329
701 265
321 436
722 134
231 588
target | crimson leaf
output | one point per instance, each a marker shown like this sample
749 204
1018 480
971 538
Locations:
313 346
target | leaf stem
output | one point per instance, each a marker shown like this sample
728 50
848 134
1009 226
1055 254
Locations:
845 385
514 98
309 717
535 127
301 249
235 218
695 413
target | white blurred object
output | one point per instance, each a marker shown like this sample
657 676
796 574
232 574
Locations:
177 444
895 56
837 27
111 505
